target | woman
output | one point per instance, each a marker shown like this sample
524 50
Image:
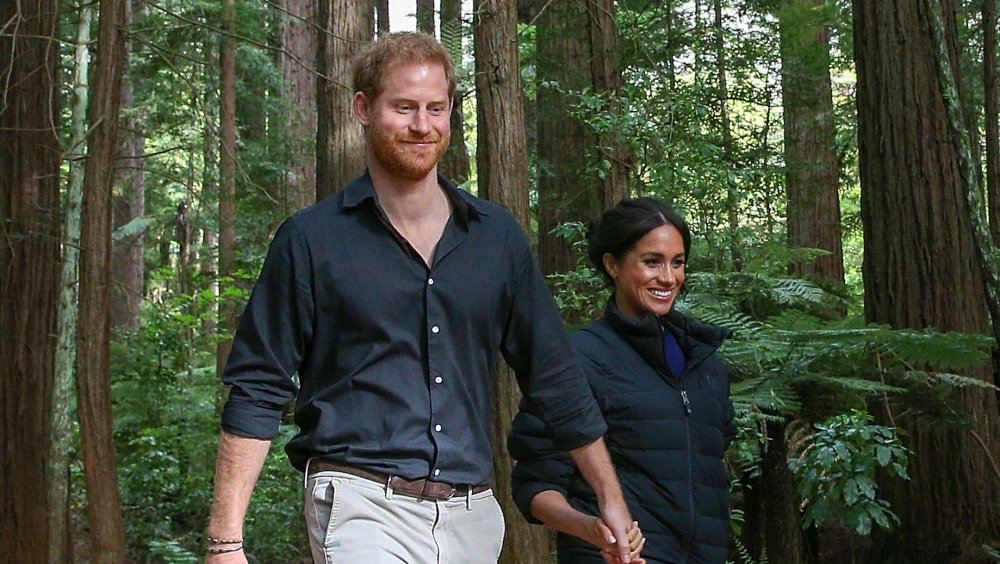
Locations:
664 393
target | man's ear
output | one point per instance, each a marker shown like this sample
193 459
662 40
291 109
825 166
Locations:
362 109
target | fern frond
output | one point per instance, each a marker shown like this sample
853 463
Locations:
851 384
948 379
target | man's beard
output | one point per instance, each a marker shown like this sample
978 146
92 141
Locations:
402 160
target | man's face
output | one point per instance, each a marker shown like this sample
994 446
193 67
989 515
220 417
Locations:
408 127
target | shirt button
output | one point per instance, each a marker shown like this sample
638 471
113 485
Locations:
435 329
438 380
437 428
430 281
437 471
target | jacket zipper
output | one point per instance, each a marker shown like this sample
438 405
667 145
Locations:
690 468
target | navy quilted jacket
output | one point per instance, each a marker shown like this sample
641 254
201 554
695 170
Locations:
667 436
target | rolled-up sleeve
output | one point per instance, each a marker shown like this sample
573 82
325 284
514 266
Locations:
271 338
540 465
536 346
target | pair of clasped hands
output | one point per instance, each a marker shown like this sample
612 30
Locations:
602 537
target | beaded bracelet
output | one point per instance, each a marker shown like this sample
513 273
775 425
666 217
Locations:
213 540
217 550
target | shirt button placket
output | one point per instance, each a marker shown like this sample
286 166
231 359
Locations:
435 329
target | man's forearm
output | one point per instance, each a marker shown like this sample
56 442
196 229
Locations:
595 466
237 468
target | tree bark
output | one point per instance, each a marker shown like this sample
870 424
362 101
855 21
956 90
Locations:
502 162
297 64
60 549
992 116
968 166
917 228
732 194
227 183
382 16
425 16
104 511
606 77
455 164
127 264
811 176
345 28
29 273
567 191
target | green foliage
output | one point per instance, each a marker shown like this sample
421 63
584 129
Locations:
836 473
166 395
580 293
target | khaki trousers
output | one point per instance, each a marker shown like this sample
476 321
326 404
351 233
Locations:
352 519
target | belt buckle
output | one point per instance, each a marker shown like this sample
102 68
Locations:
451 494
429 485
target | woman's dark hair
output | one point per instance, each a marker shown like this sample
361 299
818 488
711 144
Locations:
621 227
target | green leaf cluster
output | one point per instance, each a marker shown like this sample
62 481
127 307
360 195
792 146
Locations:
837 472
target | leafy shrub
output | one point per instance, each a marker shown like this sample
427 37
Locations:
836 474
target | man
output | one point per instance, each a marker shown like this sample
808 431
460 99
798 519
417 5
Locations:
391 299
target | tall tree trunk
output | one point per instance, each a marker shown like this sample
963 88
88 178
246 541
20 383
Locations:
29 273
425 16
732 194
917 228
104 511
969 166
811 176
227 183
567 191
992 116
455 164
297 63
502 162
210 180
63 402
382 16
127 265
606 76
345 28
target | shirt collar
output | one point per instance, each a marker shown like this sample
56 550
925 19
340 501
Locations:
361 190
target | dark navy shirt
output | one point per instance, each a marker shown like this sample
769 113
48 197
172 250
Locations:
395 360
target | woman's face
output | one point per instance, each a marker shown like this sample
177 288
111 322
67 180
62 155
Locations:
649 277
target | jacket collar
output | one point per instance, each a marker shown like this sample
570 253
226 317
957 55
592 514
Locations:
697 340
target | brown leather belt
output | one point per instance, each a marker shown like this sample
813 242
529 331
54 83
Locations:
428 489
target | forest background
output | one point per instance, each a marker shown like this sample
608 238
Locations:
838 162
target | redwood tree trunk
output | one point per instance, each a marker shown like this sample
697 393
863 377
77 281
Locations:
297 65
917 230
992 116
810 155
345 27
606 76
425 16
104 512
732 194
567 191
502 160
128 267
382 16
29 272
455 164
227 183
